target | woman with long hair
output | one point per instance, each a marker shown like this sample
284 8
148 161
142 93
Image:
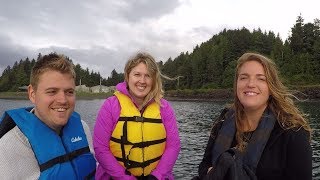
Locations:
262 135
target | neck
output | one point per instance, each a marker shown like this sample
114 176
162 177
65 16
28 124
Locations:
252 119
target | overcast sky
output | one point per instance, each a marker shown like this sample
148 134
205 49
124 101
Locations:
103 34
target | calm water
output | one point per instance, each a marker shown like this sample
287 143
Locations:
195 120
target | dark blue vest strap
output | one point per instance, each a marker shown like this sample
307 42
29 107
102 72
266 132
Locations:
63 158
6 125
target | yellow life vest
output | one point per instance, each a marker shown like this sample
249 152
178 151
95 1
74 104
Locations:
138 141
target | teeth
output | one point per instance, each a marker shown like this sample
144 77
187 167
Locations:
141 88
251 93
60 109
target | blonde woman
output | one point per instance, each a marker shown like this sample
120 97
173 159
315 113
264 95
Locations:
136 134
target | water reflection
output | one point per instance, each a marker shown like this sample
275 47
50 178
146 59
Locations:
195 121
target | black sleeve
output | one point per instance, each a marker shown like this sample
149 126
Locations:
207 157
299 156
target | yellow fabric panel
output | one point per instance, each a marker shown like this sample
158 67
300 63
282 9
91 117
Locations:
117 132
152 111
149 152
151 167
127 106
136 155
153 131
133 130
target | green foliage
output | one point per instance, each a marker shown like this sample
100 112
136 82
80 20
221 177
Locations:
14 77
212 63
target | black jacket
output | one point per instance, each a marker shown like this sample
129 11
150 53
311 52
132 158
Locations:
287 155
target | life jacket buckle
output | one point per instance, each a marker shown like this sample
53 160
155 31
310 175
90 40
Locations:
138 118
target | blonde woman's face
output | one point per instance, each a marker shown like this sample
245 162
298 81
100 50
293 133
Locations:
252 88
139 82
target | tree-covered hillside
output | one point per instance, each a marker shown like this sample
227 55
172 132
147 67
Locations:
212 64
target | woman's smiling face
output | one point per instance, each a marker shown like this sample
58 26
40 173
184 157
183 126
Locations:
139 82
252 87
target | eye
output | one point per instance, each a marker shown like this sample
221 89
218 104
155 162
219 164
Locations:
243 77
262 78
51 92
70 92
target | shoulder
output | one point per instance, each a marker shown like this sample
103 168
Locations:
166 108
111 101
14 147
164 104
15 136
85 126
298 135
217 124
111 104
218 121
290 137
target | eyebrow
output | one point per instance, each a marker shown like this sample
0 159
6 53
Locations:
246 74
54 88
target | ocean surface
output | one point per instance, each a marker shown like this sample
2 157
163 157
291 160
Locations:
194 120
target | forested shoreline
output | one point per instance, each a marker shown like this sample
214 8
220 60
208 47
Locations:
301 93
210 66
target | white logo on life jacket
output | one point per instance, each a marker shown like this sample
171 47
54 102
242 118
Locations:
76 139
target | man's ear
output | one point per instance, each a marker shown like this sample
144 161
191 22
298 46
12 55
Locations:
31 93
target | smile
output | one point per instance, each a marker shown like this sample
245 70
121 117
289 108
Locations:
141 87
250 93
60 109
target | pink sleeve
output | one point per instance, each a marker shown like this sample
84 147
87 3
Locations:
106 120
170 155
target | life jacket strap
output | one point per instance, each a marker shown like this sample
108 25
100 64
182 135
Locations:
133 164
139 144
64 158
91 175
140 119
6 124
124 139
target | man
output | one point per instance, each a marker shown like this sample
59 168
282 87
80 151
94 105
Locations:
49 140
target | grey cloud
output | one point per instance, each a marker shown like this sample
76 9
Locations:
136 10
98 58
10 52
100 35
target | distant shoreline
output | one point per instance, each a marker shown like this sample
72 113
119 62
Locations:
303 93
24 95
306 93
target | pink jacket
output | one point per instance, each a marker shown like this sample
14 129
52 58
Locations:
106 121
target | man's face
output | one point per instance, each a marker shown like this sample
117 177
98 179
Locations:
54 98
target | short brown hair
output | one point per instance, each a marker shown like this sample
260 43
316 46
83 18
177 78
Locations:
48 62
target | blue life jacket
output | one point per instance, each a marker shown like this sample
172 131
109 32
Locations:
64 156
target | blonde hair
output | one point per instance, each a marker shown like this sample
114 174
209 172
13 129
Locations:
156 90
49 62
280 101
